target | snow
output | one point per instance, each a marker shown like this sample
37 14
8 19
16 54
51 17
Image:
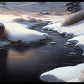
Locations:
75 29
64 74
18 31
68 73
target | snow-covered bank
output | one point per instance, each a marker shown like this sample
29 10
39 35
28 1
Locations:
21 32
68 73
64 74
75 29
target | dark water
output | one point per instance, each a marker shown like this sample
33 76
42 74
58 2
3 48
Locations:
25 63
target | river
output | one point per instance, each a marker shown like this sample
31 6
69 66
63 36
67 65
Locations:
25 63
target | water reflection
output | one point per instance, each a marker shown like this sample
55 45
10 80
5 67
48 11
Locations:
16 61
22 47
3 64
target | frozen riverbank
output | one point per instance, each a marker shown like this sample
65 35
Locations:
68 73
25 63
76 30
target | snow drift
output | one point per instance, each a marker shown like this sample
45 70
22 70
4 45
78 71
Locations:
21 32
74 18
64 74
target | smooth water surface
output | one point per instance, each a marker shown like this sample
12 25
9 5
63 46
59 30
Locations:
25 63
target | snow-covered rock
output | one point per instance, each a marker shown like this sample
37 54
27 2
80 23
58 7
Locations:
64 74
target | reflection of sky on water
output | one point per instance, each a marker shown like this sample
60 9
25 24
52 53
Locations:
18 57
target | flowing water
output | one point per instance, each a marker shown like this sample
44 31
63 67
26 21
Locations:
25 63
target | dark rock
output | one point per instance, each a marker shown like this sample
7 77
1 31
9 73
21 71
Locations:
3 32
63 34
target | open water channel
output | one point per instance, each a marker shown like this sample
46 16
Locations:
25 63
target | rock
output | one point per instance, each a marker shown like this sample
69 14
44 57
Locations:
3 32
52 43
68 44
63 34
72 54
